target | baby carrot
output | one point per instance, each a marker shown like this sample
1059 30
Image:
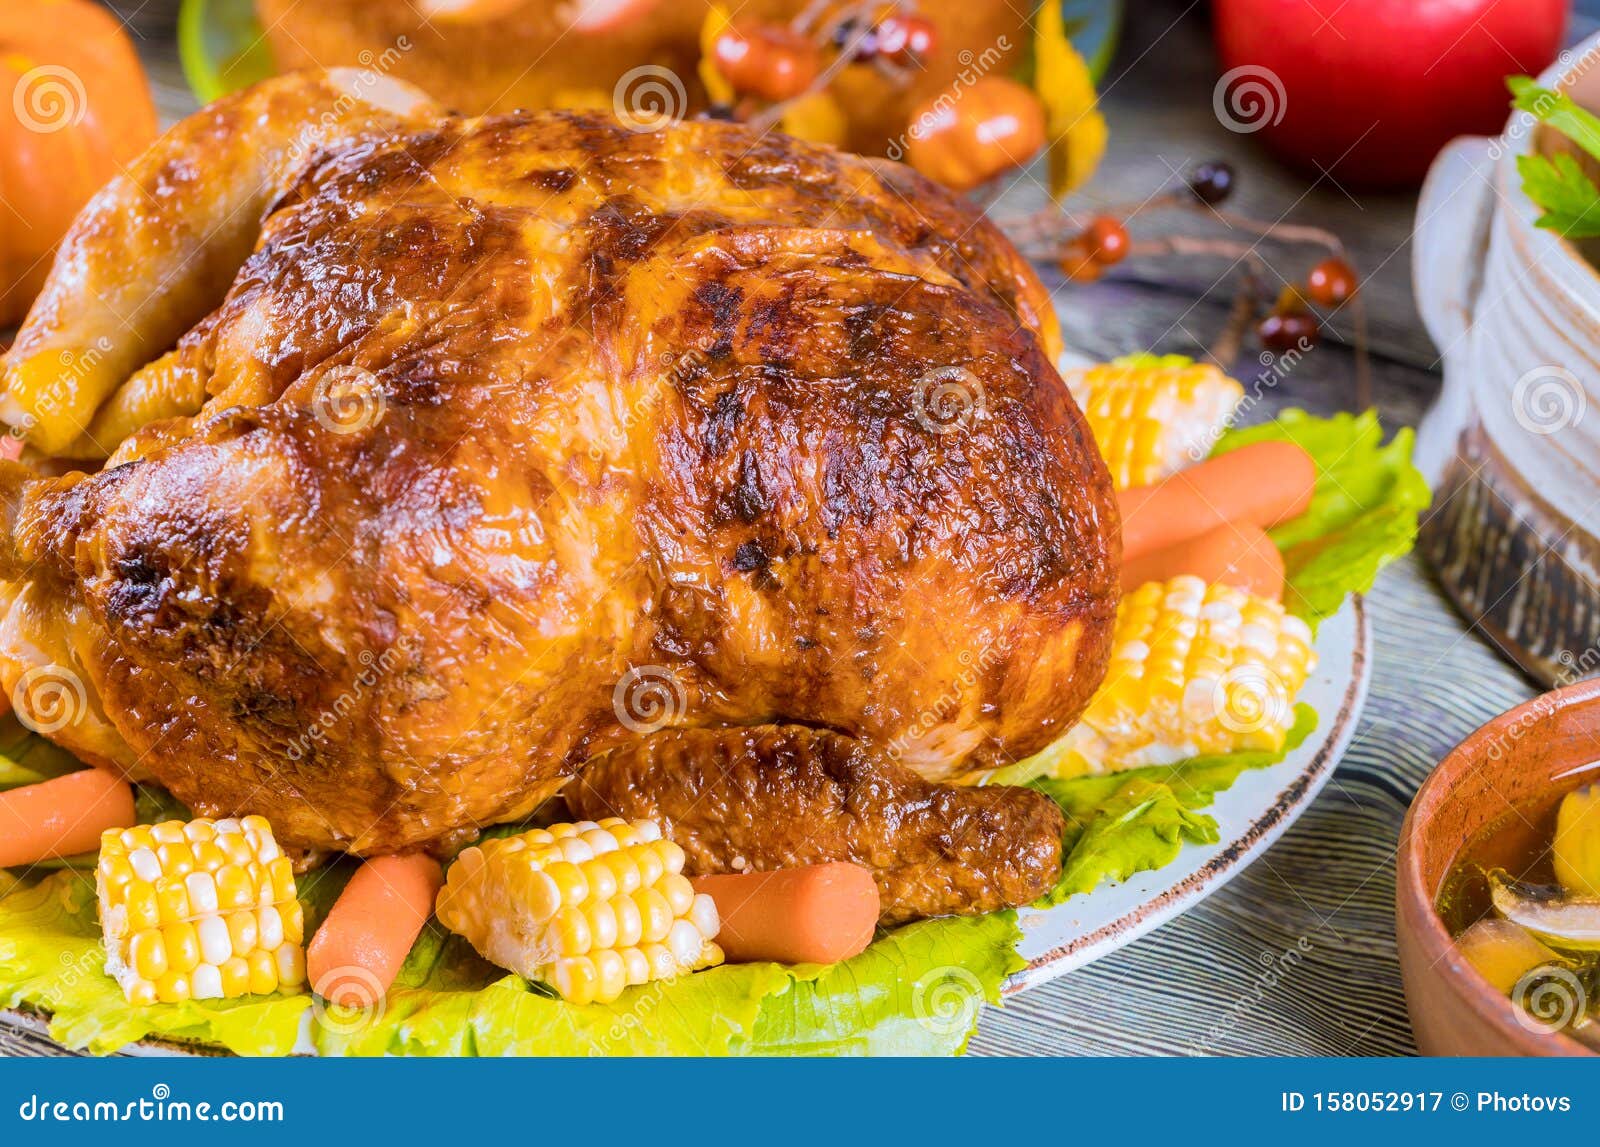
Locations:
818 914
357 952
1262 484
63 816
1238 555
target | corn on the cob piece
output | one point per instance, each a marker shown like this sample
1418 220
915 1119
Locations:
1152 416
589 908
1195 669
199 909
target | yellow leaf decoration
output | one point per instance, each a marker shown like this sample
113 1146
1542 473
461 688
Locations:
717 21
1061 80
816 117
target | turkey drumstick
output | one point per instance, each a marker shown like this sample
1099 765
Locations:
755 799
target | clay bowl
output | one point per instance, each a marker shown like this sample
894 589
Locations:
1519 758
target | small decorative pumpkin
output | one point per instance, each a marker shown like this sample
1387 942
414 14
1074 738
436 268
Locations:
74 109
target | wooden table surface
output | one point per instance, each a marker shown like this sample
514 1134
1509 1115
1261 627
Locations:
1213 981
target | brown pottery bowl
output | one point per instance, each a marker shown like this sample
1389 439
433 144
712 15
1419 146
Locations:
1515 760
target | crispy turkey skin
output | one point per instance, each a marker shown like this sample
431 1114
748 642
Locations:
484 447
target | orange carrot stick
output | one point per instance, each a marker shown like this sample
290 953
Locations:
357 952
63 816
819 914
1262 484
1238 555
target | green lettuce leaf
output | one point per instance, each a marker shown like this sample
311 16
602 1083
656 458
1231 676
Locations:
1138 820
915 991
51 959
1362 516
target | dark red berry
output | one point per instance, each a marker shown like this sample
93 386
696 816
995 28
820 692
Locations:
1212 182
864 35
1331 282
1281 333
1106 240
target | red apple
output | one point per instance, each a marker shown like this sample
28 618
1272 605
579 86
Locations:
1370 90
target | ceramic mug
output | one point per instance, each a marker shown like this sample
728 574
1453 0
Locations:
1512 446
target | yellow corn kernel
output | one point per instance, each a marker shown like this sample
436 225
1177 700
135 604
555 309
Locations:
237 848
1152 416
147 952
176 859
143 994
117 871
235 975
199 909
291 963
589 908
173 988
294 923
143 905
183 946
173 899
263 967
235 889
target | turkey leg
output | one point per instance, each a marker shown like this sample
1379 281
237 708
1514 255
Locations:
775 796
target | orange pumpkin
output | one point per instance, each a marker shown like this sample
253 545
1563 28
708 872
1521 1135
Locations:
74 109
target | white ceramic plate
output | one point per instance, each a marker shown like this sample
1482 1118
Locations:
1250 815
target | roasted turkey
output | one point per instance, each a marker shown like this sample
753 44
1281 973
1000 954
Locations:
449 460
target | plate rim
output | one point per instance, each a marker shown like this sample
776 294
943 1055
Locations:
1261 832
1237 854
